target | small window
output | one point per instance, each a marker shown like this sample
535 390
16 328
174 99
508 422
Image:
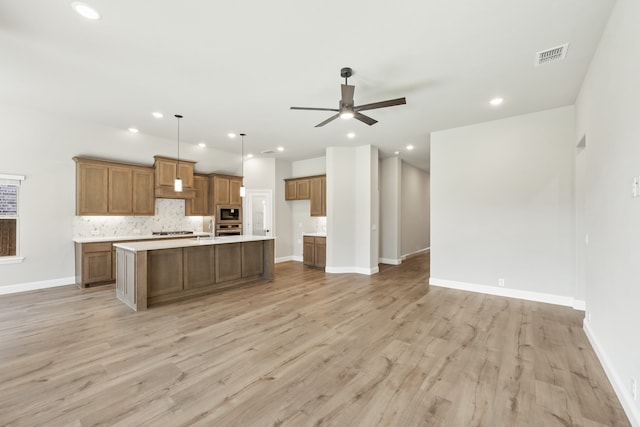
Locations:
9 218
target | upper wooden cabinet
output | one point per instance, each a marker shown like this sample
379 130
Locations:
224 190
308 188
318 191
166 171
110 188
199 205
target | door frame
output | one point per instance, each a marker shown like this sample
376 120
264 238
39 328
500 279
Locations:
247 209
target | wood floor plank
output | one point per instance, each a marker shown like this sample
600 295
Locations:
307 349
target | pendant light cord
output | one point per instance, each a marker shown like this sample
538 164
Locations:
178 116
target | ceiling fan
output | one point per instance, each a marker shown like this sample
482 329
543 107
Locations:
346 108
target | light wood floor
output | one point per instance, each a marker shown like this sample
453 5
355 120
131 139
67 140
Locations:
307 349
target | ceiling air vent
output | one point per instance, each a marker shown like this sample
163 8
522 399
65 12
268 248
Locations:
269 151
554 54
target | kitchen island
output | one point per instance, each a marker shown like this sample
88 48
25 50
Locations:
153 272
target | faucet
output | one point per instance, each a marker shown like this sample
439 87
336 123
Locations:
211 226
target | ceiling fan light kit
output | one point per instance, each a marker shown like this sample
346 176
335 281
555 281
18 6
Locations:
346 108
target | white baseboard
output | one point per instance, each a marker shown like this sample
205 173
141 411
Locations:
619 386
579 304
358 270
390 261
31 286
507 292
287 258
418 252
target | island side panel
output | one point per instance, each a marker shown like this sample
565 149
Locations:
269 259
141 280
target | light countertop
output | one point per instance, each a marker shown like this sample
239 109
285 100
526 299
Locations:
315 234
95 239
185 243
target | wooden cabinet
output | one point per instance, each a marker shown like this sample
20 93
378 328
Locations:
164 272
109 188
252 259
94 263
297 189
199 265
226 189
228 262
318 191
313 188
143 198
199 205
314 251
92 188
166 171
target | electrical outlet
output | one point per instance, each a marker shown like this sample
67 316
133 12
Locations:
634 389
501 282
634 188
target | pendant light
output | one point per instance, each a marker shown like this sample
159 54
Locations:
242 189
177 185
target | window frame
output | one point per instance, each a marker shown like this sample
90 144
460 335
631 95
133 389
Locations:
15 180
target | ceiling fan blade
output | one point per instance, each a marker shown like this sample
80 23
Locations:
364 119
381 104
330 119
347 94
314 109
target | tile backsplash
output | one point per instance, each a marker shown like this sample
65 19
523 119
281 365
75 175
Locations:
169 217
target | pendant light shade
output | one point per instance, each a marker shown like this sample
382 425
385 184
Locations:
242 189
177 185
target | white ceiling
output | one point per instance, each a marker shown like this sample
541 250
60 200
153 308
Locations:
239 66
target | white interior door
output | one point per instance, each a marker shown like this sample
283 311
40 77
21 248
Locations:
258 213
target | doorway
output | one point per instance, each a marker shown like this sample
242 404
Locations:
258 213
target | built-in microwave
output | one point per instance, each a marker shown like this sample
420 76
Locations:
229 215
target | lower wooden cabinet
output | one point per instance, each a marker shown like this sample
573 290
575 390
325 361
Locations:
94 263
314 251
228 262
164 272
199 265
252 259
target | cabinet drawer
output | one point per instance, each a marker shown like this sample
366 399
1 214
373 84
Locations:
96 247
309 239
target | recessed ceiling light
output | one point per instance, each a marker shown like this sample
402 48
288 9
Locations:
496 101
157 115
351 135
396 152
202 144
409 147
85 10
133 130
249 155
280 148
231 135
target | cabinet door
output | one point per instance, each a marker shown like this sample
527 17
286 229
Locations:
97 267
315 189
120 194
228 264
320 252
200 204
221 191
92 182
199 266
186 175
143 197
324 196
252 259
234 191
165 173
290 190
302 189
164 271
308 251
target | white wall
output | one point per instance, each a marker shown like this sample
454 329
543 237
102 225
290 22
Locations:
300 210
390 210
608 113
41 146
352 209
415 211
502 203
